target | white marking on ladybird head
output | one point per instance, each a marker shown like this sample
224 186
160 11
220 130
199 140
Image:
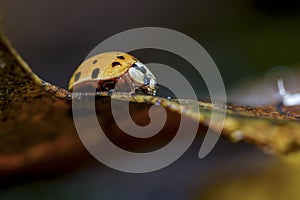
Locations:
143 76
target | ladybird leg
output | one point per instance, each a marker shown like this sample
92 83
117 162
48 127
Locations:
132 89
108 86
125 84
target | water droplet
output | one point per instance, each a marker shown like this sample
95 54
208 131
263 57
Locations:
110 92
2 65
237 135
44 84
157 102
69 96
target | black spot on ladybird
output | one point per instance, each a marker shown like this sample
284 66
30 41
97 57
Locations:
77 76
121 57
115 64
95 73
95 61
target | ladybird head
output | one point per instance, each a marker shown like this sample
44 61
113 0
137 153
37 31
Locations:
143 78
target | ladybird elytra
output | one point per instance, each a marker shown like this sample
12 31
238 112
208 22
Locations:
106 69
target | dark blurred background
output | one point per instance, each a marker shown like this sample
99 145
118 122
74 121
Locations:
245 39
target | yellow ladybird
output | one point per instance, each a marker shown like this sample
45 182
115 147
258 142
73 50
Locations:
104 70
